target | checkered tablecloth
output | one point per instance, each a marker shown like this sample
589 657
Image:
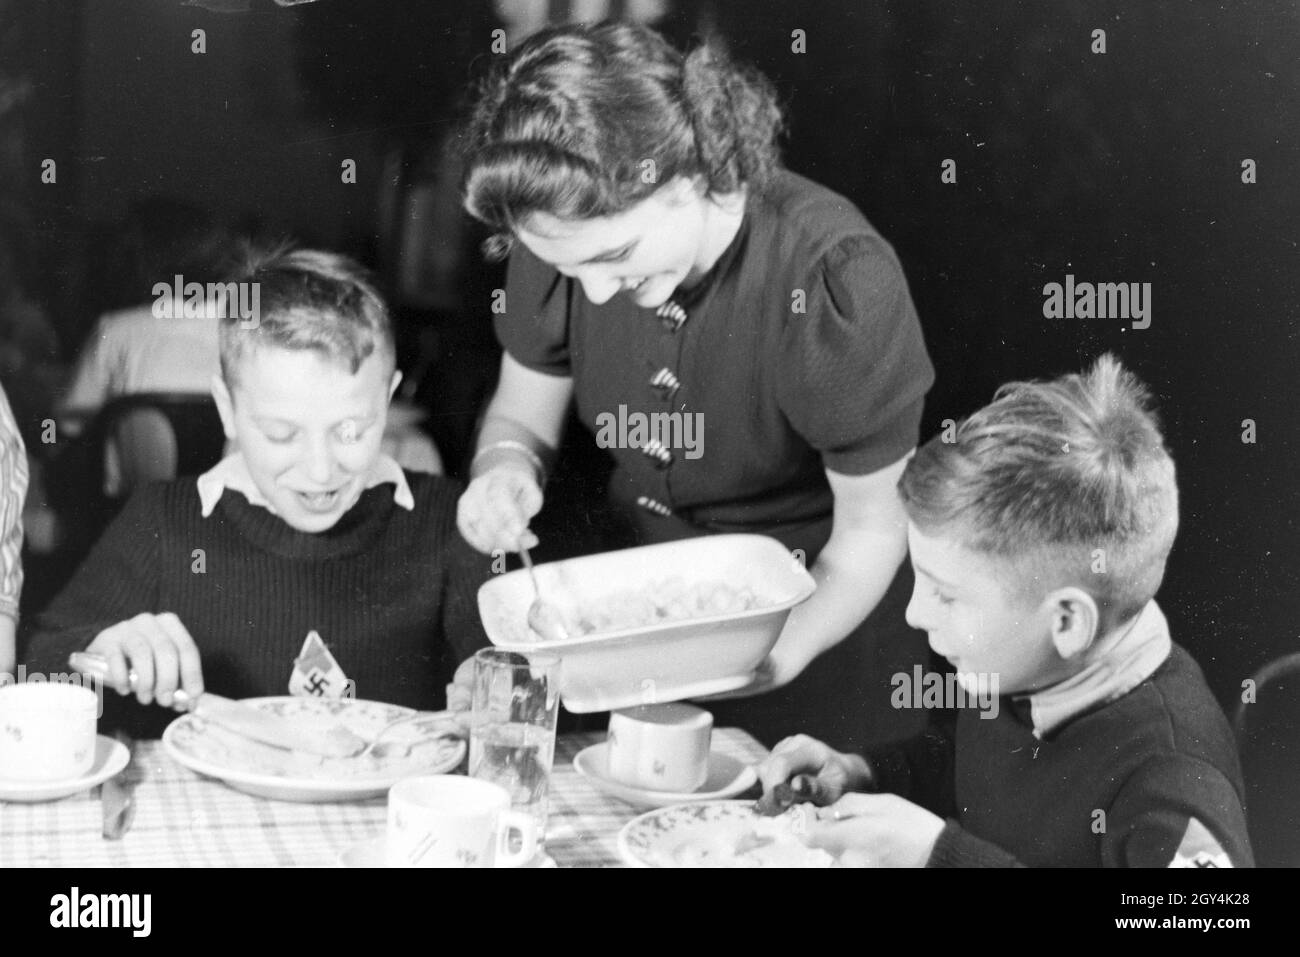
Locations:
186 820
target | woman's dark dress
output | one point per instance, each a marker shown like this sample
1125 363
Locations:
799 352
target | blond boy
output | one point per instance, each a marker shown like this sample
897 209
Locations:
1039 538
306 562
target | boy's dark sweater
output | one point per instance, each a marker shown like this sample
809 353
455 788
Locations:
391 591
1114 787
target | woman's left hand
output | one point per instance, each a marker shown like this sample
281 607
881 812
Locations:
854 570
777 670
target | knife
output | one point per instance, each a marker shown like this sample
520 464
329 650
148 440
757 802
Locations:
117 796
336 742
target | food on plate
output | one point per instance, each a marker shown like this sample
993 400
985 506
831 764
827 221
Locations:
720 834
660 602
761 842
209 742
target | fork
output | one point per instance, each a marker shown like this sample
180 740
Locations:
800 789
446 716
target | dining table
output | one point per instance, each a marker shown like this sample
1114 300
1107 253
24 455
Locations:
185 819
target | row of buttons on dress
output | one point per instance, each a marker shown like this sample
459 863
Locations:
653 505
671 315
666 383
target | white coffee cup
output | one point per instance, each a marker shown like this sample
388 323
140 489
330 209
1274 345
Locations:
445 820
660 747
47 731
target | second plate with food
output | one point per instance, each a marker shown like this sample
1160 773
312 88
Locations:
270 772
718 834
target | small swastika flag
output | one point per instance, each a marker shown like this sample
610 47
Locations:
315 672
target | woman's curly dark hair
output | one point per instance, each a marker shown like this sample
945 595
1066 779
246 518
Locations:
587 121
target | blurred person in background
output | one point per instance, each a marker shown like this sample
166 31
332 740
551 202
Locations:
31 371
13 491
145 349
135 350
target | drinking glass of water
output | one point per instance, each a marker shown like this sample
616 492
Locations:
512 726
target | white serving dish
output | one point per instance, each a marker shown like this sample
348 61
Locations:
665 662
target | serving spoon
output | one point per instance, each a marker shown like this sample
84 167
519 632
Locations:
543 617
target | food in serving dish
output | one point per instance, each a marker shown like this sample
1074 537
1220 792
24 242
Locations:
668 659
660 602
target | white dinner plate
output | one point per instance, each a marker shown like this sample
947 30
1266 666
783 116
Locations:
371 854
718 834
281 775
110 758
727 778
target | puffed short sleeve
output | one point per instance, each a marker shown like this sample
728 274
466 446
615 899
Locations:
534 325
858 370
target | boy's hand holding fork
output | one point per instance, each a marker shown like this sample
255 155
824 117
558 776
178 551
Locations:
860 829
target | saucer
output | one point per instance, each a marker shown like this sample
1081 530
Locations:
727 777
371 854
110 758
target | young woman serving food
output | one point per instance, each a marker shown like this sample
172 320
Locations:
662 262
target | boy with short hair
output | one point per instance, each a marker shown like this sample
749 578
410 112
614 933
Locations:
1039 538
308 560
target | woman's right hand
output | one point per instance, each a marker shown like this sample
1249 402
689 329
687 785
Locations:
495 510
158 649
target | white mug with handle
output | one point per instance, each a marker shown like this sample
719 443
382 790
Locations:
446 820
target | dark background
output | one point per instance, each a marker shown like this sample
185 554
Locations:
1122 167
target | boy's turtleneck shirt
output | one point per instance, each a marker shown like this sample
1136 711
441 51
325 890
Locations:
1130 763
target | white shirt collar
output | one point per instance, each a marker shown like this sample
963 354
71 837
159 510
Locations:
232 473
1120 663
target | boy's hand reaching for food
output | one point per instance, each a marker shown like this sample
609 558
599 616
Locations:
158 649
875 830
804 755
495 510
